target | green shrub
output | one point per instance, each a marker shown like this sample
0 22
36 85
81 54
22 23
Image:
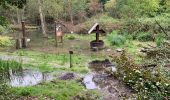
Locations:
4 71
144 37
159 40
115 39
148 84
5 41
3 30
3 21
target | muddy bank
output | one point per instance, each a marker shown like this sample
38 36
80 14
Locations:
101 78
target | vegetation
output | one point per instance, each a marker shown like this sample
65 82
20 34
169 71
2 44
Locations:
137 39
149 84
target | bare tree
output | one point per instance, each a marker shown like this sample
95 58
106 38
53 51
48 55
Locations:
42 18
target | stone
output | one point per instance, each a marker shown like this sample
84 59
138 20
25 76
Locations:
119 50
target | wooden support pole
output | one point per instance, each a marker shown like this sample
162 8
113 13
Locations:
23 29
97 33
71 53
24 39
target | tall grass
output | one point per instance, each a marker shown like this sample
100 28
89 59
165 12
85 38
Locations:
5 66
10 64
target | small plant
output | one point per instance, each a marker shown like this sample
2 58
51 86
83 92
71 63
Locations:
145 36
116 39
159 40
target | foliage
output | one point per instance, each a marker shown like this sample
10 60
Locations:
3 21
106 22
4 68
141 25
5 41
18 3
116 39
131 8
160 39
2 30
149 84
144 37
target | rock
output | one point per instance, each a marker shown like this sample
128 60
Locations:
108 50
119 50
67 76
114 69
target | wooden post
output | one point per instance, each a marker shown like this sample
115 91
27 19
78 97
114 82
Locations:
23 29
71 52
24 39
18 44
97 33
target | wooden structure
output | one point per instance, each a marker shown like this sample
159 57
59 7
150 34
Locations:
24 38
22 42
96 44
71 53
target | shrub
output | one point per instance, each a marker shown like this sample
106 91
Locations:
116 39
3 30
4 71
160 40
5 41
144 37
149 84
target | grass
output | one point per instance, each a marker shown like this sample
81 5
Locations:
57 89
11 64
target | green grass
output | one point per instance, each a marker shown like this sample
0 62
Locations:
10 64
58 90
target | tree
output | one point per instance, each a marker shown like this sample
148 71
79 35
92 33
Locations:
42 18
95 7
17 3
134 8
5 4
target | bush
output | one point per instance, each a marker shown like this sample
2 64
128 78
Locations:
3 30
144 37
149 84
115 39
160 40
5 41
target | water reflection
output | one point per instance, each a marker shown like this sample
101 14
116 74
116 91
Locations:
24 77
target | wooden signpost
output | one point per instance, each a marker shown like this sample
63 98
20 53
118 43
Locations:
96 44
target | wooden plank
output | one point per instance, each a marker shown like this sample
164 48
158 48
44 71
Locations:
93 28
100 31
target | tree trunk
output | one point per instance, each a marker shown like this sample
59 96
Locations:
18 17
42 18
70 11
